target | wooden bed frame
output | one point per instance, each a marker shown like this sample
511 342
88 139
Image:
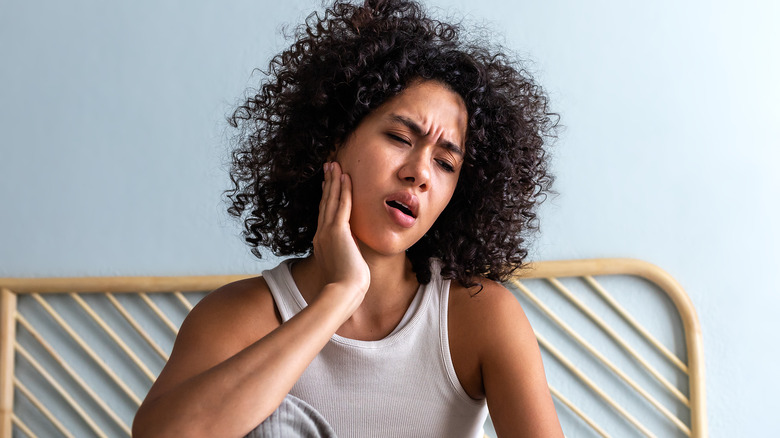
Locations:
77 355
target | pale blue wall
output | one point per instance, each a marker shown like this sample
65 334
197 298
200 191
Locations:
112 149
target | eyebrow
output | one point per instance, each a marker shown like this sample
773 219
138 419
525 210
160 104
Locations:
417 130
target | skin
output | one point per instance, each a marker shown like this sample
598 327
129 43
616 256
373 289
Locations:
234 361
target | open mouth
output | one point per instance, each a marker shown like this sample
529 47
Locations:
401 207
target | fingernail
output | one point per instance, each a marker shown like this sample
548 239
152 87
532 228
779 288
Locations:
325 167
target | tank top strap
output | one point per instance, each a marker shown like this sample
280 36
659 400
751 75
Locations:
284 291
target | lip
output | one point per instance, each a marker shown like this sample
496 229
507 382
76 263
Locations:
409 200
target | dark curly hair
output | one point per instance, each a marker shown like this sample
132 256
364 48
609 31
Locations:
342 66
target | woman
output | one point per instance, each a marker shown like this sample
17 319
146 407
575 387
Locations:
406 166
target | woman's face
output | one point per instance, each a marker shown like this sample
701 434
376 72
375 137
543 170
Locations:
404 160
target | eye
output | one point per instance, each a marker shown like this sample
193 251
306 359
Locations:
398 139
446 166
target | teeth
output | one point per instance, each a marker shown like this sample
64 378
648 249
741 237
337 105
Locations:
401 206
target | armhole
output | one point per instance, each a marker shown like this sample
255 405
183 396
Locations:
446 355
282 309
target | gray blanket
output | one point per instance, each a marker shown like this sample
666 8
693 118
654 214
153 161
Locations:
293 418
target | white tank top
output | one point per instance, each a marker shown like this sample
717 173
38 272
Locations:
401 386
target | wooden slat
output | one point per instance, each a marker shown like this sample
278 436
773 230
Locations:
118 284
187 304
7 337
160 314
22 426
577 411
136 326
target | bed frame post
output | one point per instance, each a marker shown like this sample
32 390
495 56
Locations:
7 337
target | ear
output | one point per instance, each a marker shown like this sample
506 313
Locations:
334 152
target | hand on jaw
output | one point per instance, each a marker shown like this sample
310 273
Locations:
335 250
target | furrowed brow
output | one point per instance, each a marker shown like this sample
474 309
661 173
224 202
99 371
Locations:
417 130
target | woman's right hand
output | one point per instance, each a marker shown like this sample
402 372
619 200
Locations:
335 248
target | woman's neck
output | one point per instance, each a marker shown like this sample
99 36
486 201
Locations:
391 291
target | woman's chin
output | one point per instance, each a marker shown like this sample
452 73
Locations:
383 248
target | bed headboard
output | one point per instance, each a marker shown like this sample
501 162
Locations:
622 347
77 355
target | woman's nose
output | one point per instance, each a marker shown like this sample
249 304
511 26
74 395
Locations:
417 170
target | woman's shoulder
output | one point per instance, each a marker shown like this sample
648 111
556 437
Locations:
491 321
223 323
248 289
487 301
241 307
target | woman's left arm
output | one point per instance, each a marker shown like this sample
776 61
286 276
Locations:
513 376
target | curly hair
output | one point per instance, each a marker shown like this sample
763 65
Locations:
343 65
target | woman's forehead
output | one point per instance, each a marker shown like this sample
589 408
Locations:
428 108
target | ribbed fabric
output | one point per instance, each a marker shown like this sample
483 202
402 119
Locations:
402 385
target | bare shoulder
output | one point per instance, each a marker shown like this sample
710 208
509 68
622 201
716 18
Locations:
243 308
223 323
493 314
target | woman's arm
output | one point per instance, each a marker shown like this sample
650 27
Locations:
232 363
515 384
505 354
205 390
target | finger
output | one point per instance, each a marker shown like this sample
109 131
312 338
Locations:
334 193
324 198
345 203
